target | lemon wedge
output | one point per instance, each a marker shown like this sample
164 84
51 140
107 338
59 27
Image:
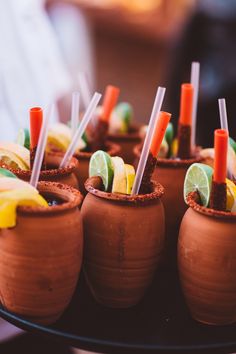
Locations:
231 196
9 183
130 176
119 184
10 200
15 155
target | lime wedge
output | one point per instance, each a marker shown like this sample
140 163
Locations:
5 173
198 178
101 165
169 135
119 184
232 144
9 201
130 176
23 138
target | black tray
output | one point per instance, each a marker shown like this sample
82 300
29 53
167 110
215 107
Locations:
160 323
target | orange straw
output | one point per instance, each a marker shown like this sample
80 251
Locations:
220 161
159 132
109 101
36 119
186 104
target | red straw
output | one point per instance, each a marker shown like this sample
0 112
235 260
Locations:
220 161
186 104
36 120
159 132
109 101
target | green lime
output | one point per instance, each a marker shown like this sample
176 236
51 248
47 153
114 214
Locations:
198 178
125 111
101 165
6 173
232 144
169 135
23 138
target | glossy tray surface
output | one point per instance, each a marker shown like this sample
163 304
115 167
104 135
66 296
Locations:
160 323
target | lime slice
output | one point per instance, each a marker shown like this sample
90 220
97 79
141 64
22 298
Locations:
130 176
9 201
23 138
119 184
9 183
232 143
101 165
164 148
198 178
5 173
169 135
15 155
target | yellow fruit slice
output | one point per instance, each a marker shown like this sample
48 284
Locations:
174 147
15 154
130 176
231 196
56 141
9 159
119 184
9 183
10 200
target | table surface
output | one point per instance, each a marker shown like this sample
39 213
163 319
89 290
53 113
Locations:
160 323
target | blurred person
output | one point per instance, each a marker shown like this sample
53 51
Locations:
208 38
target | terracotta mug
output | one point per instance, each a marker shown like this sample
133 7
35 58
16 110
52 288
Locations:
40 258
123 244
171 174
127 142
82 172
66 175
207 263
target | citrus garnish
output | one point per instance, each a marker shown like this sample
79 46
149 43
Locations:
101 165
199 178
119 184
130 176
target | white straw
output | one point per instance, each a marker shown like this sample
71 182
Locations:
75 112
84 89
224 125
195 72
80 130
41 147
148 139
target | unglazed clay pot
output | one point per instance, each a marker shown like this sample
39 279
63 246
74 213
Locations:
40 258
207 263
127 142
123 244
171 174
82 172
65 175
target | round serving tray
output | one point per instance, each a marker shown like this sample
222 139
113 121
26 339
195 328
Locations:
160 323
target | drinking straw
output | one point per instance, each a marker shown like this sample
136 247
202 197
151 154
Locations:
224 125
220 160
80 130
36 119
159 132
195 72
41 148
148 139
109 101
84 89
75 112
186 104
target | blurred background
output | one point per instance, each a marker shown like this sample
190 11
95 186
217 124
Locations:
134 44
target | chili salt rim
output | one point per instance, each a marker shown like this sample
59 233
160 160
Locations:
191 200
74 201
111 148
139 198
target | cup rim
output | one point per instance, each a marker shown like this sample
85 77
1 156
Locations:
192 201
133 135
74 200
156 194
171 162
52 172
111 148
